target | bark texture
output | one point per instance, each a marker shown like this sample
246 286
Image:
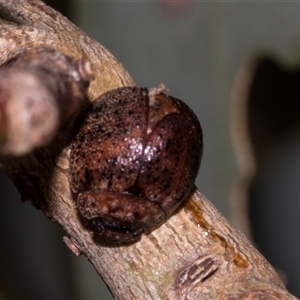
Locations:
43 88
196 254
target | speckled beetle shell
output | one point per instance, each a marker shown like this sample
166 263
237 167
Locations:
134 161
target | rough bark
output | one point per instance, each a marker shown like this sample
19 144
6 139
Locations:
196 254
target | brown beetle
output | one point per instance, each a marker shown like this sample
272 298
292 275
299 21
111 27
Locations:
133 161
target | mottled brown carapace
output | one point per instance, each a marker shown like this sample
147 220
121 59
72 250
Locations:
133 161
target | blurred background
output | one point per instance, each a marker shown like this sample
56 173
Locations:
195 49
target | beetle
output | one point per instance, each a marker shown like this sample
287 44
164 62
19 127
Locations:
133 161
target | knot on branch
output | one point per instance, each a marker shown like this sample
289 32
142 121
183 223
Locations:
39 89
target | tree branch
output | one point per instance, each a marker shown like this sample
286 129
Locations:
196 254
39 89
